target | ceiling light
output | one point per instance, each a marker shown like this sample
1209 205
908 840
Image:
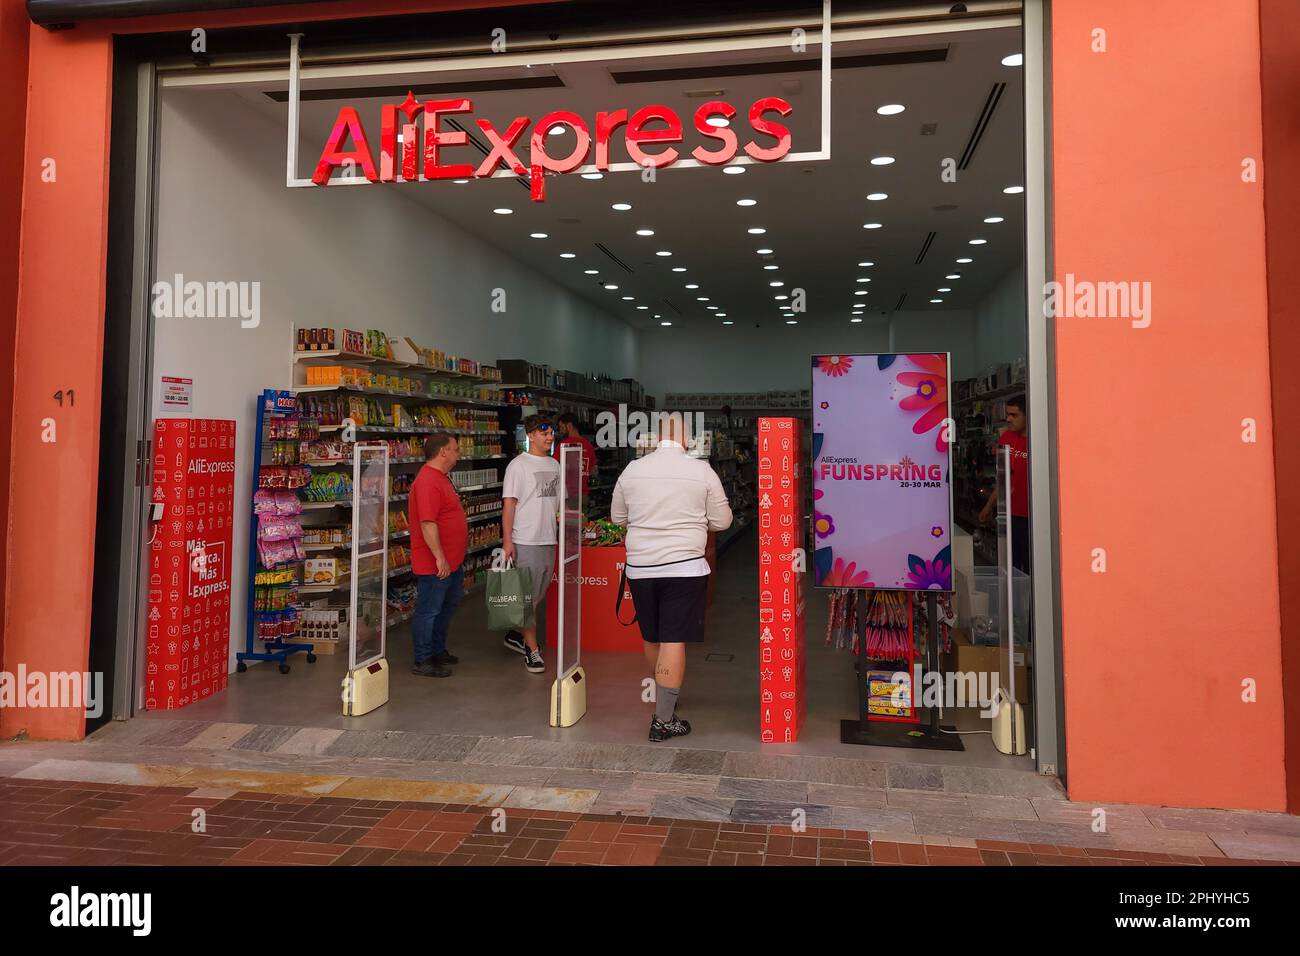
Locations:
890 109
943 290
592 272
746 202
537 235
621 206
611 287
679 268
593 175
791 322
1015 59
936 300
787 315
719 121
721 315
733 170
701 298
712 308
568 255
692 285
728 322
665 324
861 292
876 197
628 298
776 285
557 129
881 160
770 268
993 219
781 298
645 232
871 225
865 265
965 260
643 307
855 320
764 252
502 211
757 231
663 252
460 182
954 275
864 279
978 242
1013 190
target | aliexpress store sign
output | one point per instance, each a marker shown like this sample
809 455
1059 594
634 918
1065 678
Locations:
659 127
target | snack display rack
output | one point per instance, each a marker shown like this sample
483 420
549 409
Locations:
274 556
367 386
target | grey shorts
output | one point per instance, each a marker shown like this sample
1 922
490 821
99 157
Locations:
539 559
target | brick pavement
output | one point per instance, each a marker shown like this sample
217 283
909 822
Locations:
76 823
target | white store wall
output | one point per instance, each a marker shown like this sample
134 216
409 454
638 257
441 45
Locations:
355 257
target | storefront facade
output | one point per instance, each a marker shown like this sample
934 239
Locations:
1170 691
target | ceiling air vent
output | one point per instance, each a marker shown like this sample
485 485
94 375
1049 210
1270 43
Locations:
613 258
925 248
898 306
982 124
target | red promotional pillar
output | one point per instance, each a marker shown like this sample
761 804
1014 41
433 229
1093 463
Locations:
781 562
187 654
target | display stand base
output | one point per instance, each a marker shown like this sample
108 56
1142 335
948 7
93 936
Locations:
886 733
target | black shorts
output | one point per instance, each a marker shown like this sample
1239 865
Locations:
670 610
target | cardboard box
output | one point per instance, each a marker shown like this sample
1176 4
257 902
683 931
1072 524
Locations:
979 658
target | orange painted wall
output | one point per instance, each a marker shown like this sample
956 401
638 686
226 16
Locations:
13 117
1280 81
1149 139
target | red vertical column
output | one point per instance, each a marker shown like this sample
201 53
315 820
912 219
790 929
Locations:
781 563
189 560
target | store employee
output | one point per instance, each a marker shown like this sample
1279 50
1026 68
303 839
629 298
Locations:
1015 437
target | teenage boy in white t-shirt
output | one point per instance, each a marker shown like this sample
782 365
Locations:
529 520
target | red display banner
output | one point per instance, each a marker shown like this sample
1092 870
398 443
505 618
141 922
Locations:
607 625
188 647
781 563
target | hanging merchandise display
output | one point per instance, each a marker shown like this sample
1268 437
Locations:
188 643
276 549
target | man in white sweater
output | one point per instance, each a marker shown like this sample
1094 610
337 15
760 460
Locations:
669 503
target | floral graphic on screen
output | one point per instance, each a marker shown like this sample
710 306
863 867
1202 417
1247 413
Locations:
925 575
843 575
823 524
928 394
834 365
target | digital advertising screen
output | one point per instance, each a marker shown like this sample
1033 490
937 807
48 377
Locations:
881 471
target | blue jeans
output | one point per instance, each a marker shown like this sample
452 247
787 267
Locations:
436 600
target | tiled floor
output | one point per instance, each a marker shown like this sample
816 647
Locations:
52 822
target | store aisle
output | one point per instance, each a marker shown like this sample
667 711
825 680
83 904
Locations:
491 694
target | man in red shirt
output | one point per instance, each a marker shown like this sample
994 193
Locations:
568 425
439 536
1015 436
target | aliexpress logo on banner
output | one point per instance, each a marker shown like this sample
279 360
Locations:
636 132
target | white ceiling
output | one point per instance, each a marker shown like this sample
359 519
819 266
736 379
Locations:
813 212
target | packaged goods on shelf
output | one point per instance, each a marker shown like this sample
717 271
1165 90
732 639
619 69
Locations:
323 570
327 486
399 556
315 340
481 504
481 535
471 477
324 624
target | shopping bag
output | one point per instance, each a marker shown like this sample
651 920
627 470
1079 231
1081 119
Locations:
509 598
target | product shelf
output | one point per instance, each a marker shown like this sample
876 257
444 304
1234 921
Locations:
399 393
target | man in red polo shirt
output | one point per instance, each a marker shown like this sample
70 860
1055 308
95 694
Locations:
439 536
1016 436
568 425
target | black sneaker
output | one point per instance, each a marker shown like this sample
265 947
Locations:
515 641
430 669
445 658
676 727
533 662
